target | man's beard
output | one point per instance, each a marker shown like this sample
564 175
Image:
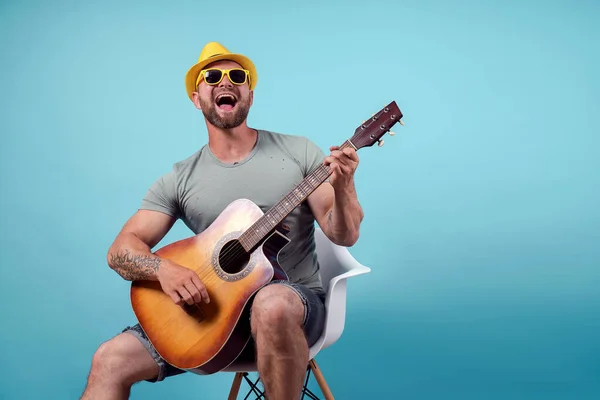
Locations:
230 119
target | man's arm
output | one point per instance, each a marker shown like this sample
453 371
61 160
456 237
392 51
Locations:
131 257
130 254
335 204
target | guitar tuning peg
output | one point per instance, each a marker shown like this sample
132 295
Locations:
401 123
380 142
392 133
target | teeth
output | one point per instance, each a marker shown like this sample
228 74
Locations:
219 97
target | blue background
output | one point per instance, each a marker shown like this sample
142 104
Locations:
482 213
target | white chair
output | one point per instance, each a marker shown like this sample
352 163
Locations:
337 265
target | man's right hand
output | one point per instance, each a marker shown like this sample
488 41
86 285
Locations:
182 284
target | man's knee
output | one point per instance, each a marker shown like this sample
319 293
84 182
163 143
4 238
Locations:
276 307
122 360
110 358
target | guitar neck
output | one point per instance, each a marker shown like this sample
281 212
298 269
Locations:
366 134
256 233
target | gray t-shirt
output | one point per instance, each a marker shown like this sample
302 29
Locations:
199 188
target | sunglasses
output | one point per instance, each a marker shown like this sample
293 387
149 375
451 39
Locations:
214 76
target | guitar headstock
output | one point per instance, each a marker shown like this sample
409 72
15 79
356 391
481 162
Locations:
371 130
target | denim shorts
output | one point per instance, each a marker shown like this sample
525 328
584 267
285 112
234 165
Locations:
313 324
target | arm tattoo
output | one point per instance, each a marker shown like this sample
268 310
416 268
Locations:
134 267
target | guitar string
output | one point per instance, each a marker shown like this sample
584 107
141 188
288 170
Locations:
307 185
231 254
305 188
206 273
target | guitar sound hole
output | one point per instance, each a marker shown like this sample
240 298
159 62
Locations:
233 257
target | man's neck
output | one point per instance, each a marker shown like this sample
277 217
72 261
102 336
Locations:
231 145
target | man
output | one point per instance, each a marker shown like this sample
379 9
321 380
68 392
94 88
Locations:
238 162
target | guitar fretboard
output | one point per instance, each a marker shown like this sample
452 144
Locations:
263 226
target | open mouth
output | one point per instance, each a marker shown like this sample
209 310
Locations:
226 101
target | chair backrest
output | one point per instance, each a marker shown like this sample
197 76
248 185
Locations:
337 265
334 260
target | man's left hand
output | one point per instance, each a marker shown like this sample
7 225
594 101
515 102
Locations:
343 163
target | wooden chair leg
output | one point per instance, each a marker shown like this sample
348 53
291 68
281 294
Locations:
320 380
235 386
312 365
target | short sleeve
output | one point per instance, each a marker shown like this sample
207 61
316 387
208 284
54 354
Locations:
314 157
162 196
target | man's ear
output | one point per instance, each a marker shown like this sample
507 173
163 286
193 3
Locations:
196 100
251 97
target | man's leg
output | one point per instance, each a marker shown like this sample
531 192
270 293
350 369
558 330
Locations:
122 361
285 319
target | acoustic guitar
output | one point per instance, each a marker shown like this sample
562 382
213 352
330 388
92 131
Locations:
234 257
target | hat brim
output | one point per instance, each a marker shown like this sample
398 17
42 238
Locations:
192 74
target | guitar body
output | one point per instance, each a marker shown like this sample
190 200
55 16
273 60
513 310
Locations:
206 338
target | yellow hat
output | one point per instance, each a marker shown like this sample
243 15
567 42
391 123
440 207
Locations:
212 52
